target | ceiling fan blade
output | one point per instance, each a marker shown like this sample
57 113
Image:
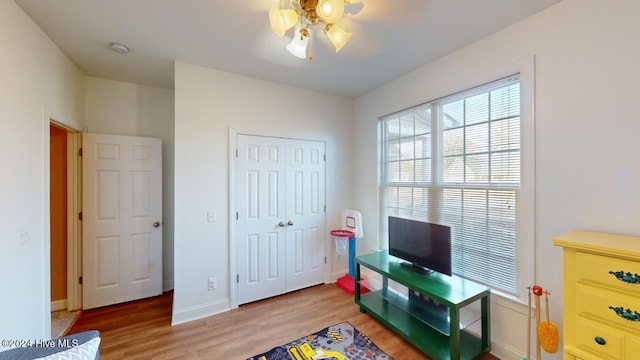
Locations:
386 12
353 8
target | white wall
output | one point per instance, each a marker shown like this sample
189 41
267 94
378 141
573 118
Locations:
36 82
119 108
208 103
587 126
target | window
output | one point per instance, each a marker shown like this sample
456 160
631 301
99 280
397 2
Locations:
457 161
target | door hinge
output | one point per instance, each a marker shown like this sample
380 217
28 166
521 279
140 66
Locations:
325 260
237 216
236 152
80 152
80 216
238 278
325 157
80 280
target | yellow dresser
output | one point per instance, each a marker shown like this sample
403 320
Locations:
601 295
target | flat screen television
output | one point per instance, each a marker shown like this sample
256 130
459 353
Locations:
424 246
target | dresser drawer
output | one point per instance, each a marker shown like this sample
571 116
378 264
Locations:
606 270
595 302
597 339
633 348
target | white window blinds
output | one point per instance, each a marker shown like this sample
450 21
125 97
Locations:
456 161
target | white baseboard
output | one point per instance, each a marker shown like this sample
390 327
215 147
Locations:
182 316
57 305
506 352
338 274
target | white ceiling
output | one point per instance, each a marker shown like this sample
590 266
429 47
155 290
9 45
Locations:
390 38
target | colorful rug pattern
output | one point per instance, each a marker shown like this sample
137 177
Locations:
340 341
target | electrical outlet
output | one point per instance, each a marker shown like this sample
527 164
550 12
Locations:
213 283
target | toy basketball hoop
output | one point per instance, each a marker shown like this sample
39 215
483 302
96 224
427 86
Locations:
346 243
342 240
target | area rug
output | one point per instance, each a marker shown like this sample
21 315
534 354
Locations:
340 341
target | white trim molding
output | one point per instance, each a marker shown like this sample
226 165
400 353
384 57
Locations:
200 311
57 305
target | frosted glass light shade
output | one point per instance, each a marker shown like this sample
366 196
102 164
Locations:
330 11
338 36
282 20
299 46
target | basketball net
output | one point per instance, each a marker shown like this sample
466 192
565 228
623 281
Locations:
342 244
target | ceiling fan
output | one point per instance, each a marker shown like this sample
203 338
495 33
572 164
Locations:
311 17
368 21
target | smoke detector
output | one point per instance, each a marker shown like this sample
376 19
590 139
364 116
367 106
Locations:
119 48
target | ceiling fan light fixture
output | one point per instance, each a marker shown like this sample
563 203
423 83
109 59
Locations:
338 36
282 20
299 46
330 11
309 14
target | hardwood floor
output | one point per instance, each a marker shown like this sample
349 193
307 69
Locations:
142 329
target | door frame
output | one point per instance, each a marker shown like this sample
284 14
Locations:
74 206
233 263
74 224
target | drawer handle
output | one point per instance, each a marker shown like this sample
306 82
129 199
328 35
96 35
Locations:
626 314
600 341
626 277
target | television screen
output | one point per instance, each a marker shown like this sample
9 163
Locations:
426 246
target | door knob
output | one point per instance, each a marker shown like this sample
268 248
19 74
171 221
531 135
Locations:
281 224
290 223
156 224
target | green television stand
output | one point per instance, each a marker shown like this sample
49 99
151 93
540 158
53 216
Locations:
429 317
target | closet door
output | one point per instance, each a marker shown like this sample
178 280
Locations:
280 229
305 213
260 228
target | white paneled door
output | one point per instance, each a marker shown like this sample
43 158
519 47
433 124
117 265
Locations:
305 203
279 232
122 219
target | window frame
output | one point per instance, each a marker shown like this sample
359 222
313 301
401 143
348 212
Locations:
526 210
